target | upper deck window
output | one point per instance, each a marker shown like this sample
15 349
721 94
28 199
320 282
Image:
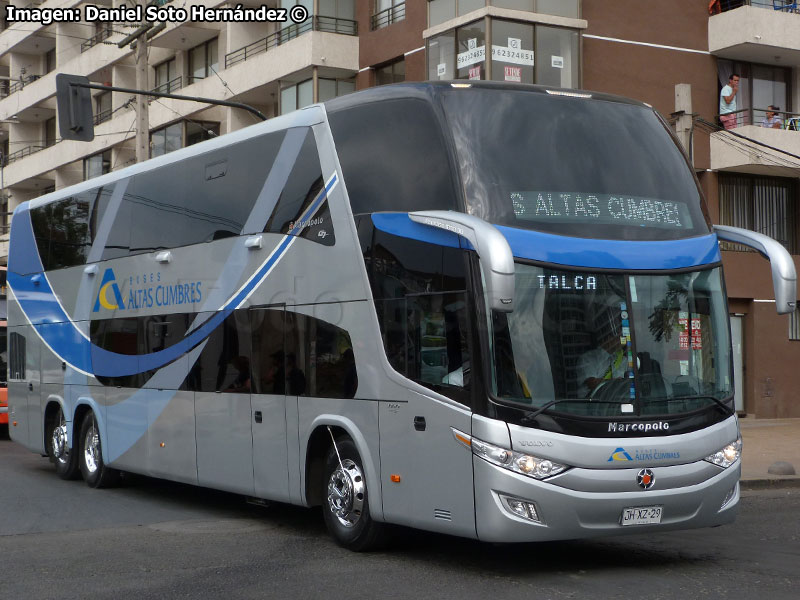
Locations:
573 166
393 156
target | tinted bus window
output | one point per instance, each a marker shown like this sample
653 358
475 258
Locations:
574 166
393 157
303 186
201 199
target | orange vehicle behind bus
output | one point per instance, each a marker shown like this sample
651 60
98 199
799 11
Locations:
3 349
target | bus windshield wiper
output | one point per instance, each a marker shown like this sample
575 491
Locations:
717 401
544 407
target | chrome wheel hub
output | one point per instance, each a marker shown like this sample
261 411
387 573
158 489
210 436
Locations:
91 449
346 492
59 443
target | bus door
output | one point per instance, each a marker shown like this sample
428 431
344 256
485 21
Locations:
222 380
273 401
427 474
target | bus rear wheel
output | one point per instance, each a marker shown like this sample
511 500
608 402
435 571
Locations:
61 455
345 505
95 472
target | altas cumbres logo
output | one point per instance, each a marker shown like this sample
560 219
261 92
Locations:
620 454
109 282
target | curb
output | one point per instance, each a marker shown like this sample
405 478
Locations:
769 484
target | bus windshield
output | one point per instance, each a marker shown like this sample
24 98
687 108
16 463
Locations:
609 344
572 166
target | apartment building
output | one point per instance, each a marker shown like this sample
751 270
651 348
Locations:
626 47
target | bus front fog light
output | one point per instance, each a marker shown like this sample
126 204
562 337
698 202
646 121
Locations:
521 508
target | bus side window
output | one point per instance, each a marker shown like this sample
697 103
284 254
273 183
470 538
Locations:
224 365
305 183
420 296
320 358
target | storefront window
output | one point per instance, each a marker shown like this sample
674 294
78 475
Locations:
471 57
512 52
521 53
556 57
442 56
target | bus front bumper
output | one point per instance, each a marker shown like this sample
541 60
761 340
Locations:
570 514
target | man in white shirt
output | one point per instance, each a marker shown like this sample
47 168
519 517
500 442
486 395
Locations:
727 102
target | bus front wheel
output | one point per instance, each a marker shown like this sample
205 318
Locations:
345 504
61 455
95 472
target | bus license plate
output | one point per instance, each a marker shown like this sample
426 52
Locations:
641 515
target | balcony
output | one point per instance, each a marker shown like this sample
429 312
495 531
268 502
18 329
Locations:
757 31
316 23
387 17
763 155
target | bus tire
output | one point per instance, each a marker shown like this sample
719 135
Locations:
63 458
345 500
95 473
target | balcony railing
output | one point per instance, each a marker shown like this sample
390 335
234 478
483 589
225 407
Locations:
17 155
317 23
168 87
791 6
758 116
103 116
18 85
386 17
97 38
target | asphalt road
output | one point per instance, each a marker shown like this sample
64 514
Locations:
154 539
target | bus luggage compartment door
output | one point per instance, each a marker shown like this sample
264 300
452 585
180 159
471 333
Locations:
434 491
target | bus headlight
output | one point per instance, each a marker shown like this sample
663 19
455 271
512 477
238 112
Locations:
525 464
728 455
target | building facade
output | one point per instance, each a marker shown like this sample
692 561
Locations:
750 174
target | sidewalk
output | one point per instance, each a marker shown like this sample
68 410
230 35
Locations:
767 441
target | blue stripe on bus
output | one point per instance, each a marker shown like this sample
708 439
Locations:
37 300
570 251
401 225
612 254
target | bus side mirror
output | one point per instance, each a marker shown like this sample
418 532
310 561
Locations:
784 276
494 253
75 120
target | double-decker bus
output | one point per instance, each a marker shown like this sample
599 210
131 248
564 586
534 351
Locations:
492 311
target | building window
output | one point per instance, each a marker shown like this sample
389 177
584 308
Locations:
203 60
333 88
764 204
102 107
461 54
166 139
49 132
794 325
200 131
50 61
99 164
387 12
297 96
167 79
394 72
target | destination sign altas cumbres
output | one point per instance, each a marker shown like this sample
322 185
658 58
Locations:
603 209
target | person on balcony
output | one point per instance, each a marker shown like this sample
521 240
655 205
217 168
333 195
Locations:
772 120
727 102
